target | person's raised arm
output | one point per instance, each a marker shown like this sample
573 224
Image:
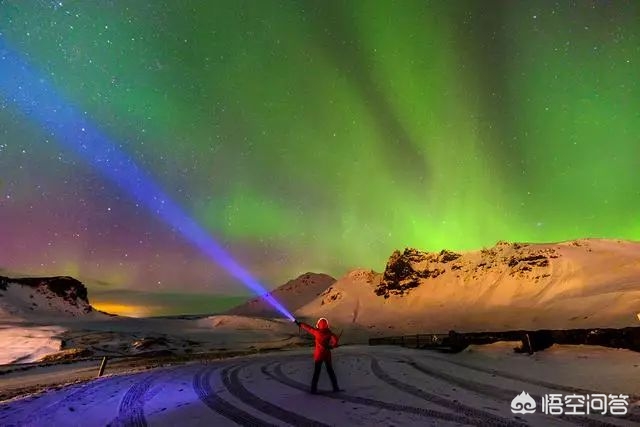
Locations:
306 327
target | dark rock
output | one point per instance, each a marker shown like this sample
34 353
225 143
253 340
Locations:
67 354
527 262
537 260
426 273
447 256
400 275
415 256
148 342
488 252
330 295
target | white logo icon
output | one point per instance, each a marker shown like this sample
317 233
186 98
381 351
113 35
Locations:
523 404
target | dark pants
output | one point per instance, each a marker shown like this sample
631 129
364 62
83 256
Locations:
316 375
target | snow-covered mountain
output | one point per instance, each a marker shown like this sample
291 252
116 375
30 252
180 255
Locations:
43 298
575 284
293 295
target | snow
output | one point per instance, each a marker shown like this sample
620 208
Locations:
293 295
383 386
26 303
25 344
34 322
589 283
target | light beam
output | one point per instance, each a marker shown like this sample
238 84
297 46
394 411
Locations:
37 98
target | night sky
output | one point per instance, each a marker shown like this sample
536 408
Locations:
320 136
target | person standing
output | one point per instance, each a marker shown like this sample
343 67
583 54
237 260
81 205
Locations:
325 342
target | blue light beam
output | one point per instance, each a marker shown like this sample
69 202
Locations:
38 99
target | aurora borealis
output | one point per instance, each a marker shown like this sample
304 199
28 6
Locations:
321 135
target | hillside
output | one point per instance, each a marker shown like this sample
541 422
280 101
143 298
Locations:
293 295
583 283
40 298
46 319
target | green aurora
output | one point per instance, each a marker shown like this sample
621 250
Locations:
323 135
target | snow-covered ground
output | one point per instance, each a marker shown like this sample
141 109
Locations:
587 283
582 284
121 336
22 344
382 386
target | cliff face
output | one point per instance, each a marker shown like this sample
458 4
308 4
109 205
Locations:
65 287
405 269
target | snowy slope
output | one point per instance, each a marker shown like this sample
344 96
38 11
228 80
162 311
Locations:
32 311
23 344
583 283
38 299
293 295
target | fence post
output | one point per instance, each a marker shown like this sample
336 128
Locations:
102 366
529 344
417 341
402 340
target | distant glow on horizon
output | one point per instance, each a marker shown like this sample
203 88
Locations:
122 309
34 95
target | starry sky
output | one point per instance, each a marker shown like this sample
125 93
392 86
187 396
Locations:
320 136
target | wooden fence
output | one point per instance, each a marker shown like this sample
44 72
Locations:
531 341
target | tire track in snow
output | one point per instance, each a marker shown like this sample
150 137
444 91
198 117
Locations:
131 409
233 384
502 394
279 376
202 387
517 377
486 418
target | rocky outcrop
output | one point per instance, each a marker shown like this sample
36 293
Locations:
67 354
405 269
68 289
529 260
330 295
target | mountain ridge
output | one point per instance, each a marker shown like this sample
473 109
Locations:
571 284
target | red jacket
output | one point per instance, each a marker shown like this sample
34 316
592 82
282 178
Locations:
325 341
